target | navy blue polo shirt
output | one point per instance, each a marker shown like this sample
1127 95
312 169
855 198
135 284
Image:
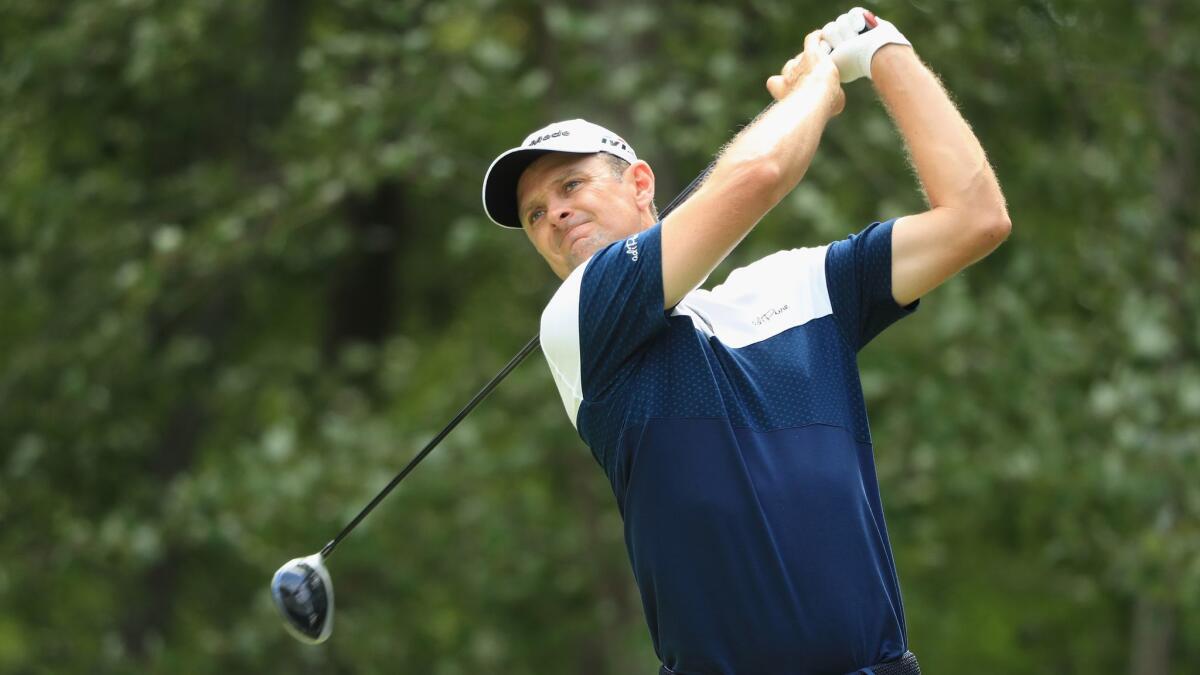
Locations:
733 430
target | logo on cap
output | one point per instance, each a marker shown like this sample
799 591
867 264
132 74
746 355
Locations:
617 143
546 137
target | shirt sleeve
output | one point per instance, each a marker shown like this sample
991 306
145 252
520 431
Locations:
620 308
601 315
858 270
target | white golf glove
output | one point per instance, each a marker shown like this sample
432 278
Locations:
853 46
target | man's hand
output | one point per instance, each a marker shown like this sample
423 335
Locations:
854 45
813 63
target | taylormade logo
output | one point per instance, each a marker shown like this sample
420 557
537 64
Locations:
631 248
546 137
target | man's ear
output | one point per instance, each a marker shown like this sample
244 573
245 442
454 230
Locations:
642 177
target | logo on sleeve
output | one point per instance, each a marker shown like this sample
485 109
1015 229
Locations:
631 248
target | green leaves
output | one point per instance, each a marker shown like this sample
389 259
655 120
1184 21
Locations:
245 275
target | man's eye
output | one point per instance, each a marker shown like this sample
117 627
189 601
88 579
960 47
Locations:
571 185
533 217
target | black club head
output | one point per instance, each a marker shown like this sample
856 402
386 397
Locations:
303 593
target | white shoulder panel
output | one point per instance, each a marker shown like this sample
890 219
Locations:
560 341
763 299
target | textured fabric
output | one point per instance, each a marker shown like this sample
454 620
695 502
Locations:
734 434
905 665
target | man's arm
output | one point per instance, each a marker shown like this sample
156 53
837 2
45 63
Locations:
756 170
967 218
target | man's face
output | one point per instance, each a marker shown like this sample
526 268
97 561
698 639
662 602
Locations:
573 205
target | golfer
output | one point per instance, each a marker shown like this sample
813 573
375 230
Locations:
731 422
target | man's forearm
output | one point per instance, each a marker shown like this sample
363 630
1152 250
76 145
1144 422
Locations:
949 160
784 137
755 171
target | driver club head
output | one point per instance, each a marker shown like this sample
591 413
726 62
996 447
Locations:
303 593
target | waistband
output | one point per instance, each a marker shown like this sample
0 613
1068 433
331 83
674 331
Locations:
905 665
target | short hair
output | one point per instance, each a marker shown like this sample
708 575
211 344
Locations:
618 165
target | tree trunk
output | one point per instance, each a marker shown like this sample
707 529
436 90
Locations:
1155 620
147 620
1152 635
363 291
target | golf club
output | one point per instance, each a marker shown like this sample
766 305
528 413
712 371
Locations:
302 587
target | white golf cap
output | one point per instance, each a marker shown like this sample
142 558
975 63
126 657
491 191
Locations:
576 136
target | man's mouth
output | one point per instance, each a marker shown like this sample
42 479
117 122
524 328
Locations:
573 235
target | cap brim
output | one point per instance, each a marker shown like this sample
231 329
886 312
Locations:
500 184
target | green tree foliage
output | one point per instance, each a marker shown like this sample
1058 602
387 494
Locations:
244 276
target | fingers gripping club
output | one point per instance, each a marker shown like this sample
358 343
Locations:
853 38
847 26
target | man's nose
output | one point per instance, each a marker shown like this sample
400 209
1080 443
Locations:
560 214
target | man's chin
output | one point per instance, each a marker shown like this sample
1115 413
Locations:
585 248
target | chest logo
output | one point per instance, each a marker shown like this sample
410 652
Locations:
768 315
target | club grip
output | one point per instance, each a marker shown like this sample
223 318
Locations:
871 23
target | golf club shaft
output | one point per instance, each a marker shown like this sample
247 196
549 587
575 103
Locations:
487 389
525 351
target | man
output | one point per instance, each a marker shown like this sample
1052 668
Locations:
731 422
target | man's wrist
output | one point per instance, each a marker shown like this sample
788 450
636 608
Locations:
888 57
829 93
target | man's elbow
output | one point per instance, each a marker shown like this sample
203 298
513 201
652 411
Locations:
759 175
992 226
984 209
997 225
767 181
754 183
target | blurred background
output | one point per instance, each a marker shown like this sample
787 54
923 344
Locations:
245 275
